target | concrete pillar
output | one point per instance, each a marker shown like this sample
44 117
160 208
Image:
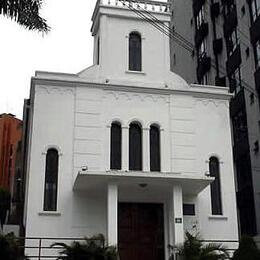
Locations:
107 147
177 218
146 149
125 148
112 204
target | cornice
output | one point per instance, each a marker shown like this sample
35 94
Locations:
193 91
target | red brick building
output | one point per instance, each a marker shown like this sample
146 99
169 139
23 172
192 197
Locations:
10 139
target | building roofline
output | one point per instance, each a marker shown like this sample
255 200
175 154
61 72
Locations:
194 90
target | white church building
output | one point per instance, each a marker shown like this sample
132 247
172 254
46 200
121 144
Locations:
127 148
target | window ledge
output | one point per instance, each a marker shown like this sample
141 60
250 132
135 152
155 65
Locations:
218 217
135 72
49 213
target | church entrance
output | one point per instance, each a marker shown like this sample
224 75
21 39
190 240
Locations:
140 231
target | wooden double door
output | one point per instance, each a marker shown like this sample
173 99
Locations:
140 231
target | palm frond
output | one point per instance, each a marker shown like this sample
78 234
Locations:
25 13
91 248
214 251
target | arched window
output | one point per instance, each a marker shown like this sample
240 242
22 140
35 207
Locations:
155 158
135 52
135 147
115 146
51 180
98 50
216 204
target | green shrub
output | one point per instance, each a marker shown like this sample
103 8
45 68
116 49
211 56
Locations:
247 249
194 249
93 248
10 248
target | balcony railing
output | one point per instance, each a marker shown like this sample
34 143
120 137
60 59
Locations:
230 22
201 33
204 64
234 60
40 248
148 5
254 30
257 80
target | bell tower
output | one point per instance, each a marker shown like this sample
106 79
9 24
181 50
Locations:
128 47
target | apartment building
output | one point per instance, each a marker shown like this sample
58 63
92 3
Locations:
226 39
10 136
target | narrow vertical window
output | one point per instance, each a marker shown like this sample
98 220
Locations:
51 180
216 204
115 146
98 50
135 52
135 147
155 158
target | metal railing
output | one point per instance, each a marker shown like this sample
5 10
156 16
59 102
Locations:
149 5
41 247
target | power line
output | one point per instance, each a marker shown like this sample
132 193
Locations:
150 18
178 38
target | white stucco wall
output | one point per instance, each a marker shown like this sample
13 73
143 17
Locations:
73 113
76 120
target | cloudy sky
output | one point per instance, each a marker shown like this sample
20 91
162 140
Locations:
67 48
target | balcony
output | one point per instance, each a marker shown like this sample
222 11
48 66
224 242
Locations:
255 31
215 10
241 148
257 80
227 2
220 81
201 33
204 64
234 60
197 4
230 22
217 46
237 103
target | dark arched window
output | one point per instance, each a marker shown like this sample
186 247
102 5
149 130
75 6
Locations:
135 147
98 51
51 180
115 146
155 158
216 204
135 52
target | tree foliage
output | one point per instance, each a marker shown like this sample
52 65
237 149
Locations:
25 13
5 200
194 249
10 248
93 248
247 249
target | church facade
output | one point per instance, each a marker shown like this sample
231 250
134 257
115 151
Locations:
127 148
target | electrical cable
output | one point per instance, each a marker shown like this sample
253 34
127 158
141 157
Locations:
178 38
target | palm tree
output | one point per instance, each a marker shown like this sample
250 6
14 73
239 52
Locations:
247 250
93 248
193 249
25 13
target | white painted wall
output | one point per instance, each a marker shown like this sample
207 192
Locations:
73 113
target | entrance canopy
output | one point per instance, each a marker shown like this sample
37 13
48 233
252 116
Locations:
191 184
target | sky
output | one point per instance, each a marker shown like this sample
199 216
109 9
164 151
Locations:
66 48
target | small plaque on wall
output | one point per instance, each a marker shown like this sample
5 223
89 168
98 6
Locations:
178 220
